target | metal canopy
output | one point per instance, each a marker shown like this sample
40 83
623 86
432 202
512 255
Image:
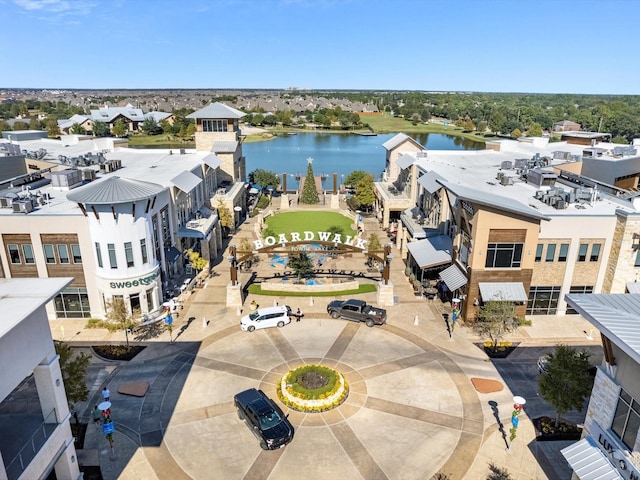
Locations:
453 277
503 291
186 181
588 462
432 251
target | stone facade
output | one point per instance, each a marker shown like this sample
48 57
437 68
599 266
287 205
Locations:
604 398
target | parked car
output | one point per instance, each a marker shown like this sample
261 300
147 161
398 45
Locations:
266 317
264 418
543 362
357 311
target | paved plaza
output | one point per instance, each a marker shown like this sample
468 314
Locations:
412 410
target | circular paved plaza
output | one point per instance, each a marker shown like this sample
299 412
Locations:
406 413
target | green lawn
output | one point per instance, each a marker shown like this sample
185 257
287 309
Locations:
159 141
312 221
386 123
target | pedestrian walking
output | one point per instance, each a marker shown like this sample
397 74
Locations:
106 394
96 414
298 315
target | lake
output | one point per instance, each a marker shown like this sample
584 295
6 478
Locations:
335 153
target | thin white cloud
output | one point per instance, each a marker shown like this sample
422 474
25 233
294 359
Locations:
57 8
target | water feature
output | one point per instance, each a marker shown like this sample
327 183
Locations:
335 153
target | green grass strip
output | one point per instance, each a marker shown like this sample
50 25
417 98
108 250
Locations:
256 289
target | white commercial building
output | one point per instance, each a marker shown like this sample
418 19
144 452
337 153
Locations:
35 436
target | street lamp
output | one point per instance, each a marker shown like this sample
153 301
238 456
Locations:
518 403
237 209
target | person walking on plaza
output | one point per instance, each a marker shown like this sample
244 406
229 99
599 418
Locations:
96 414
298 315
106 394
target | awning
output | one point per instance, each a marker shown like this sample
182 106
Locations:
505 291
186 181
453 277
171 254
429 181
432 251
405 160
633 287
212 161
588 462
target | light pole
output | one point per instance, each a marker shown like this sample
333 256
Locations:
236 217
518 403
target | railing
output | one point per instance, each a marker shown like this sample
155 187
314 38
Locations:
27 453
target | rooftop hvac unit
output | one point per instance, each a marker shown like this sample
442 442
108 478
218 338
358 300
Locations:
182 151
421 154
560 204
521 163
500 176
505 180
88 175
506 165
5 202
23 206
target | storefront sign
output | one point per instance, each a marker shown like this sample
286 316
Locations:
615 452
308 236
142 281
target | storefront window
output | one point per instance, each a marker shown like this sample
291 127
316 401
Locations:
578 289
543 300
626 420
72 303
150 306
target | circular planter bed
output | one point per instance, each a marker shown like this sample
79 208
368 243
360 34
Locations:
313 389
546 430
117 352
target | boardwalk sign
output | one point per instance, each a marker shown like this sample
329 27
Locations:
309 237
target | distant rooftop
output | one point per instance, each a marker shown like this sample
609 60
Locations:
217 110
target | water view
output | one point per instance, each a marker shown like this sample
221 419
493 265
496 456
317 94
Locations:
333 153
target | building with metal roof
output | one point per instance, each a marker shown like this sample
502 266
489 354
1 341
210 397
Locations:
611 434
536 217
113 218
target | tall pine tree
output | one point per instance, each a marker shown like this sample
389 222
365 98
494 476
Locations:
309 190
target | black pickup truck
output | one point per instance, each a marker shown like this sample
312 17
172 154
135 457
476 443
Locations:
264 418
357 311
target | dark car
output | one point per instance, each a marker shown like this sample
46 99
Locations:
264 418
357 311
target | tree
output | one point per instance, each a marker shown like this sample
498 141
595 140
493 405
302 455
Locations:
301 264
100 129
196 261
566 381
468 125
495 319
150 126
53 131
516 133
309 189
17 126
118 316
225 216
4 126
74 370
365 195
78 129
354 177
191 130
535 130
264 178
119 128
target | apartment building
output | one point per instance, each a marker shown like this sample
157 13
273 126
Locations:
519 221
35 433
610 444
118 220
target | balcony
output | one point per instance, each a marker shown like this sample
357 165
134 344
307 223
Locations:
396 198
200 226
418 226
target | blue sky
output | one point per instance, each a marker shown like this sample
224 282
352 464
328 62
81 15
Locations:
543 46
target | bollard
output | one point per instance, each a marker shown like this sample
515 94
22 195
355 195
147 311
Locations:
238 311
204 322
416 321
311 301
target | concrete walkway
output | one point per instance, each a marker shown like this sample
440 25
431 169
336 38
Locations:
412 410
